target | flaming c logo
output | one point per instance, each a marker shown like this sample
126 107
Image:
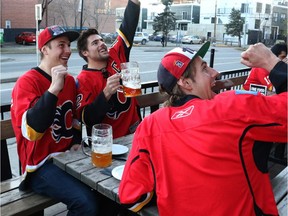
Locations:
62 125
121 105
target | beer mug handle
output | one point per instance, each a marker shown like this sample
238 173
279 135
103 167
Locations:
84 146
121 83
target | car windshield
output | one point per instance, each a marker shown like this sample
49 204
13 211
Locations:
29 34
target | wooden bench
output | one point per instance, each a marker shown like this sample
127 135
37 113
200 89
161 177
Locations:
280 189
228 84
151 100
14 201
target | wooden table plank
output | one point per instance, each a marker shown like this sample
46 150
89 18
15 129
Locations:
282 207
79 165
149 211
10 184
93 177
63 159
279 184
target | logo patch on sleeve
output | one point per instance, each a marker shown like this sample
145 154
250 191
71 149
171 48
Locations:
239 92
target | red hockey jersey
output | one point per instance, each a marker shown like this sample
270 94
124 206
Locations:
200 158
120 112
36 144
258 76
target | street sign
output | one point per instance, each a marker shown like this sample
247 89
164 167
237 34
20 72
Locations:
38 11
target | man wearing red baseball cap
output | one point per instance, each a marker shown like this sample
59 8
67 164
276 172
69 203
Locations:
43 117
198 153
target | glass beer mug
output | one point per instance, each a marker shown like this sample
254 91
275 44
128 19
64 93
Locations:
131 82
101 145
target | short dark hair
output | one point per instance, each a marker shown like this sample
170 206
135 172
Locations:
278 48
82 41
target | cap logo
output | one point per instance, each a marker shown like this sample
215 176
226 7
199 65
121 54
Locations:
56 30
179 64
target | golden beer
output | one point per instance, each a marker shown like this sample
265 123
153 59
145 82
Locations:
130 92
131 81
101 160
100 149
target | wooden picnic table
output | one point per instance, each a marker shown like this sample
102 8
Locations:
79 165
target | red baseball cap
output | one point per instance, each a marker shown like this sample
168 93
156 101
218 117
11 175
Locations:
52 32
175 62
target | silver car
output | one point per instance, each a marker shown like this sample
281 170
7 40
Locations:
191 39
141 37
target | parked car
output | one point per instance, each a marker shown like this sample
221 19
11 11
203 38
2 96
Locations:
26 38
158 37
174 39
191 39
141 37
109 37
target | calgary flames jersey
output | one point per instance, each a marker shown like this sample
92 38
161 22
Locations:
120 112
202 157
42 122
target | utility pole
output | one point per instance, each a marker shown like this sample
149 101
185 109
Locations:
81 17
38 18
46 5
215 21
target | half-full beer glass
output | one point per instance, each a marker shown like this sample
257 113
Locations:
130 79
101 145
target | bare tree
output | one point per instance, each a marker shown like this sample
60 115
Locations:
44 4
100 14
67 13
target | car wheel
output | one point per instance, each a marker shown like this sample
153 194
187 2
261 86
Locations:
191 42
143 42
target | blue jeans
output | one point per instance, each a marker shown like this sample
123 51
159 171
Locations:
51 181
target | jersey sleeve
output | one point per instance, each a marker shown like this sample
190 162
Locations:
137 184
278 77
89 99
252 78
254 113
30 106
126 32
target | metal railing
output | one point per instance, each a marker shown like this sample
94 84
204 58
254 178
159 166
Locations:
152 86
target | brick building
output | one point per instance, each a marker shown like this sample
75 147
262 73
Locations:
18 16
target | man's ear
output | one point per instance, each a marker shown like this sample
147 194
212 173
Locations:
44 50
185 83
84 53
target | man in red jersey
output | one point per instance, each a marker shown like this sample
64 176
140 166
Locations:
260 76
43 113
198 154
98 99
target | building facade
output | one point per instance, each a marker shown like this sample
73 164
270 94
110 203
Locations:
18 16
265 19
